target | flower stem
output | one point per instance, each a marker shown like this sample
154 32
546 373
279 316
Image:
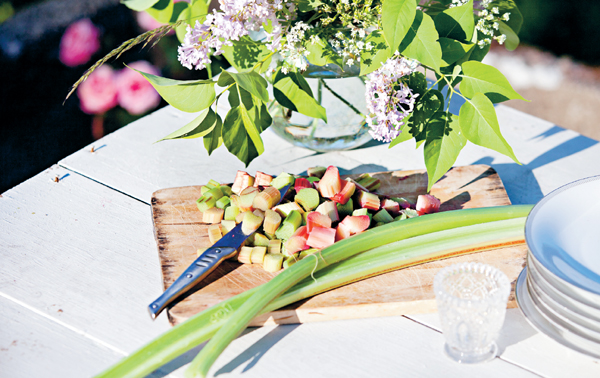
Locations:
341 98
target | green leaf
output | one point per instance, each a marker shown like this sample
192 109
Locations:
308 5
254 119
235 136
162 11
403 137
199 127
321 53
421 43
481 78
512 40
442 146
214 139
293 92
139 5
372 60
192 13
479 125
246 53
188 96
250 81
453 50
396 18
456 23
515 19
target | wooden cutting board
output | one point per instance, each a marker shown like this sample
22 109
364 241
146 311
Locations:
179 233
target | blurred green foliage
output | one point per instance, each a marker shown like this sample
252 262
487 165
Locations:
562 27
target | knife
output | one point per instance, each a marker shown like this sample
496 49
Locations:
223 249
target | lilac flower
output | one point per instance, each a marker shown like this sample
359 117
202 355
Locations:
389 100
235 20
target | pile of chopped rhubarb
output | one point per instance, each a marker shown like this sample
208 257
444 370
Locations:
318 210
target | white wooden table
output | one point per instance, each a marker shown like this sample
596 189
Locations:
79 265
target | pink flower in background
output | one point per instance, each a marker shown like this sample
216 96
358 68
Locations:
98 93
147 22
80 41
135 93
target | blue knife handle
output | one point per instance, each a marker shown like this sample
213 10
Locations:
200 268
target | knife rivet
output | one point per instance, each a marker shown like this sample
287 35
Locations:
154 306
217 250
189 275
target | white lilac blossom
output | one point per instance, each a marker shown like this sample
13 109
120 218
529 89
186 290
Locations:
389 100
350 47
235 19
293 51
488 23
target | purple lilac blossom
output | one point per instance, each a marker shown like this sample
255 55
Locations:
235 19
389 101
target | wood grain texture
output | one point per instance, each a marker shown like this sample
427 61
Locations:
179 233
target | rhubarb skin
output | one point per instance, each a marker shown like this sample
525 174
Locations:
344 195
295 244
369 201
241 182
391 206
342 232
316 219
427 204
330 183
356 223
262 179
329 208
301 183
320 237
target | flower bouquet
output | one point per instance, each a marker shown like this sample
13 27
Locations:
391 44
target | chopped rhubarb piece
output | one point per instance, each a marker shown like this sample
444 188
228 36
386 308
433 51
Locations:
266 199
241 182
410 213
344 195
320 237
383 216
272 263
370 183
258 255
302 231
368 201
403 202
285 209
289 225
307 252
316 219
301 183
213 215
251 223
282 180
329 208
262 179
330 183
316 171
308 198
247 198
274 246
295 244
244 255
390 206
272 221
342 232
346 209
356 223
214 233
227 225
427 204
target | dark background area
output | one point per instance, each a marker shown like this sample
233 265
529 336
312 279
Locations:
37 130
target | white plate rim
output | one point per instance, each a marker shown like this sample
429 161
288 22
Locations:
539 255
537 321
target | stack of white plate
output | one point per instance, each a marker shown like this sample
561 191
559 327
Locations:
559 290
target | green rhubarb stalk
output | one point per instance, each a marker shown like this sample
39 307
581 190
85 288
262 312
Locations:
341 250
202 326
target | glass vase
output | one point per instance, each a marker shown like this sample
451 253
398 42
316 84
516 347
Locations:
342 94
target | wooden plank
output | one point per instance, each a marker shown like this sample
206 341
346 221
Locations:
31 345
179 233
522 345
81 253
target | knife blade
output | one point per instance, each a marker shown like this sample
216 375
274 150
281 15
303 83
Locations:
223 249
